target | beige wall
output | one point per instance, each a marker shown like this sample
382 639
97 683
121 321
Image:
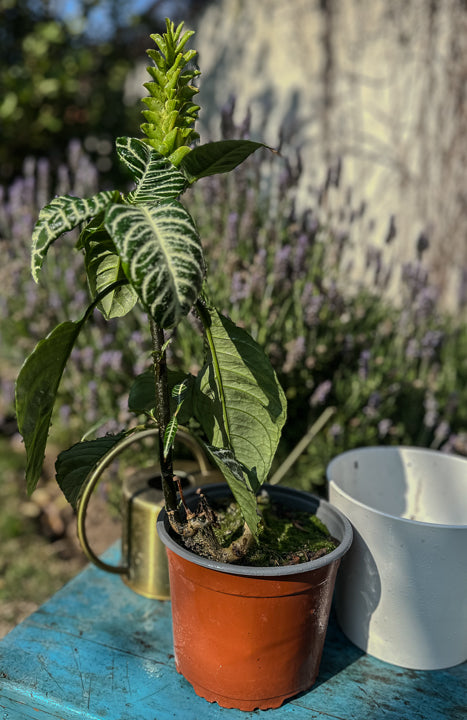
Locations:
381 84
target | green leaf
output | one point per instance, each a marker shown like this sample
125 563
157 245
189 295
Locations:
62 214
238 482
177 155
217 157
238 399
156 177
73 466
103 268
184 402
161 255
36 389
169 435
142 397
179 392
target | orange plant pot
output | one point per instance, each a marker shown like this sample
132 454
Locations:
248 637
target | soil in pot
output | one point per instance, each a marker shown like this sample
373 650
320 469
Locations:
287 536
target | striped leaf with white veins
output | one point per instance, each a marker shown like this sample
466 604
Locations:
157 179
161 255
63 214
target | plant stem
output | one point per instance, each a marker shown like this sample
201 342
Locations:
163 417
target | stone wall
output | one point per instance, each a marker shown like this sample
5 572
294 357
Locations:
373 90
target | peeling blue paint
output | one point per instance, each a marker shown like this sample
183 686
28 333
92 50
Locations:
98 651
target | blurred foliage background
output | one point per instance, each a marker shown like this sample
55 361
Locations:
63 69
393 373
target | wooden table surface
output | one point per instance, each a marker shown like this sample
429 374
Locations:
98 651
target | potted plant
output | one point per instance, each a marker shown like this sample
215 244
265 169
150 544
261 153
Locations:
142 246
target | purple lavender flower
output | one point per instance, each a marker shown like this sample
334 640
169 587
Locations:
384 427
371 408
431 410
282 266
63 180
299 266
363 364
450 445
239 287
108 360
74 154
335 431
232 230
321 393
441 432
415 276
295 353
430 342
86 357
312 304
64 413
228 128
425 302
310 225
258 273
43 182
245 125
412 349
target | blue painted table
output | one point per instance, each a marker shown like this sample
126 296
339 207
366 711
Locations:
97 651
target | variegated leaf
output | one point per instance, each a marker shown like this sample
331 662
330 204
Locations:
169 435
157 179
62 214
103 268
179 392
161 255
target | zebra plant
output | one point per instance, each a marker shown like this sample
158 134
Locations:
142 246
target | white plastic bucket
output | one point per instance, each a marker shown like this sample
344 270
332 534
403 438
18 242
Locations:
401 592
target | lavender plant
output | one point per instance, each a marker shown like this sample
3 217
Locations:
28 310
389 371
142 248
390 374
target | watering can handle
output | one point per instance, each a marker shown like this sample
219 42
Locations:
95 475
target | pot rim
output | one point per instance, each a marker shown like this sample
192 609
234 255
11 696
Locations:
381 513
163 530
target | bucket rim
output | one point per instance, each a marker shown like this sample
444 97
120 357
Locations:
391 449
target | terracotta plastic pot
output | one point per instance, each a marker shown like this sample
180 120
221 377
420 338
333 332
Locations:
402 588
249 637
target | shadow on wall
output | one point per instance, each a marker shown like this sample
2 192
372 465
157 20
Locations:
380 89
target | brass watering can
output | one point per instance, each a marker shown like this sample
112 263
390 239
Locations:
144 562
